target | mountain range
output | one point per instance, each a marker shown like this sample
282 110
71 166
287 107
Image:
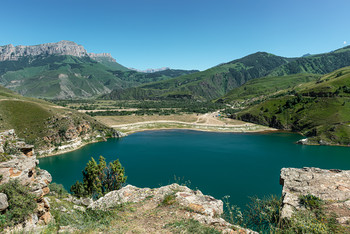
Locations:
218 81
65 70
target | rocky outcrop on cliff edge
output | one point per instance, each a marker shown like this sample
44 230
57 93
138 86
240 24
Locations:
332 186
195 205
21 165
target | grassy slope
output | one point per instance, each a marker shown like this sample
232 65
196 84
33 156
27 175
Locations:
267 86
71 77
316 64
319 109
34 119
111 64
209 84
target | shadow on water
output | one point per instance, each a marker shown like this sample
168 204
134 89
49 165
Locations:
219 164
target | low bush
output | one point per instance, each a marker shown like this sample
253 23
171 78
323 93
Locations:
168 200
21 203
58 189
190 226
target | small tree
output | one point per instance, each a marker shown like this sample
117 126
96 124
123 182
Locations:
99 179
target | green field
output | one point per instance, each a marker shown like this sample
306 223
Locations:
267 86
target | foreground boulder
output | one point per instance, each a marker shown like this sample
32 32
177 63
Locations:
332 186
203 208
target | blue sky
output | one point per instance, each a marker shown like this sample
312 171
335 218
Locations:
188 34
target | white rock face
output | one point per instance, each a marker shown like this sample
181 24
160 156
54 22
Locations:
195 200
328 185
3 202
10 52
205 209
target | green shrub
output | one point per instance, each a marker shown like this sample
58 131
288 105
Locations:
313 219
168 200
311 202
263 215
89 221
99 179
190 226
58 189
4 157
21 203
306 222
10 149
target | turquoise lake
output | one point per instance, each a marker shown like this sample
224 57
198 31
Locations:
218 164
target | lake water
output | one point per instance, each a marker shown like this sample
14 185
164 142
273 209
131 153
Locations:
218 164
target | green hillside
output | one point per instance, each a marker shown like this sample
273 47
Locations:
267 86
319 109
209 84
220 80
316 64
108 62
65 77
44 124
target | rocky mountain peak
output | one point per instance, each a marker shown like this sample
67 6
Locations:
13 53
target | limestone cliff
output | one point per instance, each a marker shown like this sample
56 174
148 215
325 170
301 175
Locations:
10 52
98 56
21 164
13 53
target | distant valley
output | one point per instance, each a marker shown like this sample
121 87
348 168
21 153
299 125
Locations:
309 94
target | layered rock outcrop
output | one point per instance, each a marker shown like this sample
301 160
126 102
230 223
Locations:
98 56
332 186
66 133
12 53
21 164
205 209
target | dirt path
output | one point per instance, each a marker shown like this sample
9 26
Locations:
208 119
204 122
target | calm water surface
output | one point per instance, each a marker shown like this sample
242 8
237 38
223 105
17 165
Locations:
219 164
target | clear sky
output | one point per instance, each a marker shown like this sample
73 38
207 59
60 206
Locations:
187 34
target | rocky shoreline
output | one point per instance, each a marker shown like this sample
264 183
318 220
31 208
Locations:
74 144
